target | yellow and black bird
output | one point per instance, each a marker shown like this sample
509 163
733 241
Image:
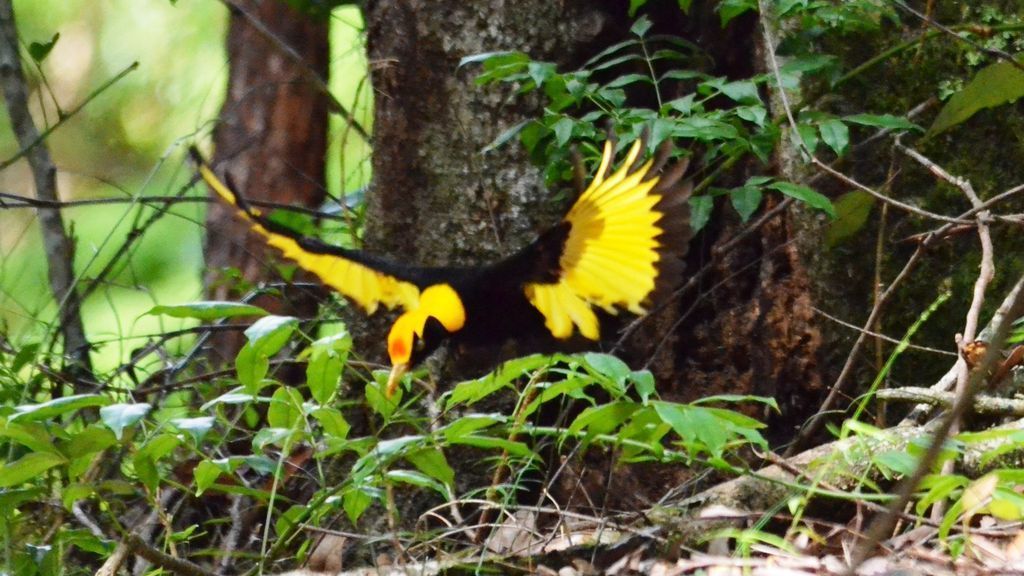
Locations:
620 246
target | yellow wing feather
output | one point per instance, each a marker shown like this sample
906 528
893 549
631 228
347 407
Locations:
610 258
365 286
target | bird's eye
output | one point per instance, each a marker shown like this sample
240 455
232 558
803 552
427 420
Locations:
418 344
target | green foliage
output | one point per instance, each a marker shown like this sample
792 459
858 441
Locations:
996 85
724 120
56 444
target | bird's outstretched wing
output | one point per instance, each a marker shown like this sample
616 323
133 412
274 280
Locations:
366 280
626 236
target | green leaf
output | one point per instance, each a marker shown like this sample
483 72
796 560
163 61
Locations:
540 72
896 460
729 9
119 416
280 437
266 337
415 478
641 26
233 396
205 474
491 56
627 79
75 493
808 63
995 85
29 466
269 334
327 358
742 91
251 367
852 211
683 105
563 130
469 424
285 409
603 419
694 425
738 399
607 365
40 50
356 499
376 399
160 446
809 134
505 136
432 462
195 427
746 200
805 195
332 421
514 448
33 436
58 406
835 134
208 310
700 211
26 354
705 129
473 391
88 441
753 114
888 121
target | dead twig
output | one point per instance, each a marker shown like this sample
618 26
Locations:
989 405
986 273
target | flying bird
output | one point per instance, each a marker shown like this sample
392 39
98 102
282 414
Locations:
620 246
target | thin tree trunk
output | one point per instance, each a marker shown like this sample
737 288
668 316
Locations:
271 140
59 247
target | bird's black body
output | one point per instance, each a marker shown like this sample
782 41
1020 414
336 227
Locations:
620 245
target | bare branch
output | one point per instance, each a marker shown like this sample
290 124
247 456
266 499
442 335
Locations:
982 404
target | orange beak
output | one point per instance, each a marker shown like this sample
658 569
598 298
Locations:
395 378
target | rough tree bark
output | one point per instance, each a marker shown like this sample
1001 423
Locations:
435 198
271 139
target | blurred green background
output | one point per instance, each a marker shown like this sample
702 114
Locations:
130 142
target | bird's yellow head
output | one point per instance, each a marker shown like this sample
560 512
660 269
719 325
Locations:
418 332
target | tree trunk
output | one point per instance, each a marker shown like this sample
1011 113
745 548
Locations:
271 140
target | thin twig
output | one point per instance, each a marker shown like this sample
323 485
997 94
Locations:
16 201
879 335
63 118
